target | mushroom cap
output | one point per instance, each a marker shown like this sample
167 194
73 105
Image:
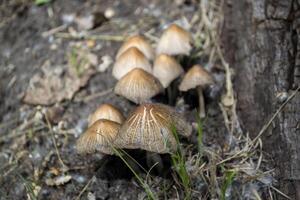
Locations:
196 76
107 111
99 137
166 69
130 59
174 41
150 126
140 43
138 86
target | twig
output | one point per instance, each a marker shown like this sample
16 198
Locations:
279 192
97 95
55 145
54 30
116 38
85 188
257 197
238 154
266 126
18 133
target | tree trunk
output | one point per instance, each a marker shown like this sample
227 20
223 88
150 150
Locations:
261 41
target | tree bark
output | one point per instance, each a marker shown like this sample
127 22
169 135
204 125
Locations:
261 41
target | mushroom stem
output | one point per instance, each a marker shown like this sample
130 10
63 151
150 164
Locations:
201 103
169 91
154 160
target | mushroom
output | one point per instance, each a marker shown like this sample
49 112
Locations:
140 43
150 127
199 78
130 59
174 41
166 69
106 111
99 137
138 86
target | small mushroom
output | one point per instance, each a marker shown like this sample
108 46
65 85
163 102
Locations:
149 127
106 111
174 41
138 86
130 59
140 43
199 78
98 138
166 69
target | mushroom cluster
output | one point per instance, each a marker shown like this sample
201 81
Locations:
150 125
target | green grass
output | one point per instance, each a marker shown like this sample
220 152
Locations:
178 162
228 179
143 183
41 2
77 59
29 186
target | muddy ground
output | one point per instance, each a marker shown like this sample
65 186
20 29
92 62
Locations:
29 161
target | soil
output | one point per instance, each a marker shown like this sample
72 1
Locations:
28 157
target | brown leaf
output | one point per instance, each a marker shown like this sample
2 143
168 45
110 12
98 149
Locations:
56 83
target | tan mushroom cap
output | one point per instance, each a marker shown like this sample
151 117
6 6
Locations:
107 111
174 41
166 69
149 127
138 86
140 43
98 137
196 76
130 59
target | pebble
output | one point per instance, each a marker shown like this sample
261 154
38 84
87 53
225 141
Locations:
109 13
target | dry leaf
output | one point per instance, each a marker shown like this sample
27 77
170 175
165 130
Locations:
58 83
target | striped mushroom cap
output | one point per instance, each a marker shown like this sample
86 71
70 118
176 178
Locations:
98 137
174 41
106 111
166 69
140 43
138 86
149 127
130 59
196 76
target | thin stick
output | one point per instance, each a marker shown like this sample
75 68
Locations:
266 126
116 38
97 95
279 192
54 30
85 188
54 142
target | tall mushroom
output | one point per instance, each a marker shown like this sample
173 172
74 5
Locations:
140 43
138 86
199 78
99 137
174 41
167 69
106 111
149 127
130 59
